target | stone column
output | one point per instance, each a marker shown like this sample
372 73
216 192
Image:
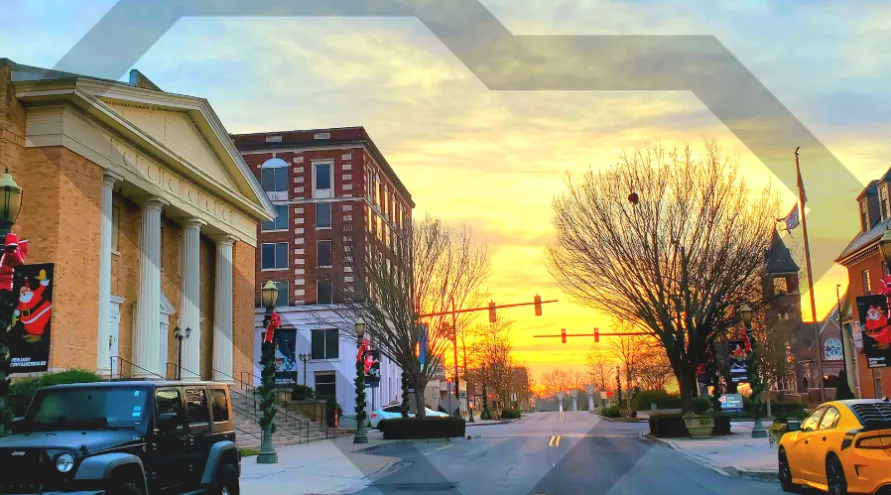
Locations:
223 350
190 307
147 332
102 348
575 400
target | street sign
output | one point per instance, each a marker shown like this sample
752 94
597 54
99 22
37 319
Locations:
731 402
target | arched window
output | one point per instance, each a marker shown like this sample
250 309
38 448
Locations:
274 175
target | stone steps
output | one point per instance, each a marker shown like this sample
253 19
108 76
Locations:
291 429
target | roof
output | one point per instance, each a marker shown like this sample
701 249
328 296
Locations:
336 136
779 257
865 239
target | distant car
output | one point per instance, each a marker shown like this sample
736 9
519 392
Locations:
842 447
392 412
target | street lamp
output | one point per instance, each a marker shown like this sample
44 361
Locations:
360 436
10 202
304 358
267 455
179 335
758 430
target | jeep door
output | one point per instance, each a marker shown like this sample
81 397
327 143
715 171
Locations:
199 442
165 463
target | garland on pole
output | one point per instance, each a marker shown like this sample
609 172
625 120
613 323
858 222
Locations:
268 389
360 392
406 404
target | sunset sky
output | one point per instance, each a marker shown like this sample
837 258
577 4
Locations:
495 160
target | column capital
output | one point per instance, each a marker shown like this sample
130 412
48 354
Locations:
224 240
110 177
154 202
194 222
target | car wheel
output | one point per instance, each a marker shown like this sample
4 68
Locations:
227 483
835 477
785 474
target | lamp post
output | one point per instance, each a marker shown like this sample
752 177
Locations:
10 202
267 455
304 358
360 436
758 430
10 206
180 335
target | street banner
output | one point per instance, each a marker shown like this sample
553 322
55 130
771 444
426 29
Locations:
857 336
373 373
285 340
422 342
739 366
731 402
30 328
876 334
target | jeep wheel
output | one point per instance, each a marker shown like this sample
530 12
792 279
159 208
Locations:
227 484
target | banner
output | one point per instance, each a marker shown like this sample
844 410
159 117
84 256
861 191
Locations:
422 342
285 356
857 336
731 402
739 366
876 333
30 328
373 375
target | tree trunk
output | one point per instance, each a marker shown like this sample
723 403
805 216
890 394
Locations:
769 412
406 404
419 401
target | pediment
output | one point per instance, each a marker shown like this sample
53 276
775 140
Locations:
179 133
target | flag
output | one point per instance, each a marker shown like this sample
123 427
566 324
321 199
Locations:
792 221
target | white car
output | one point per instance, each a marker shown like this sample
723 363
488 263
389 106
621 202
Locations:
392 412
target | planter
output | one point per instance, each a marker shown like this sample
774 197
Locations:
700 427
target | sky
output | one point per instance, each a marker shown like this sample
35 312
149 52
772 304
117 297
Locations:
495 160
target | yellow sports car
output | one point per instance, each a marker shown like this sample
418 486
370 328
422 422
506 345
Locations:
842 447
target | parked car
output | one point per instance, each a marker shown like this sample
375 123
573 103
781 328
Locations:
392 412
124 438
842 447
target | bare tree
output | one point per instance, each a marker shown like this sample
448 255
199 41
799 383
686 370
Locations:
495 353
436 269
673 254
558 380
600 365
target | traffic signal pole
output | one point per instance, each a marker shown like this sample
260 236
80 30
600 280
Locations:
563 335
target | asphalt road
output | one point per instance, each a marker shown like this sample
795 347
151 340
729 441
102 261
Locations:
544 454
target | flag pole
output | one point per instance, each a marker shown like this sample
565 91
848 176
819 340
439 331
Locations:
802 199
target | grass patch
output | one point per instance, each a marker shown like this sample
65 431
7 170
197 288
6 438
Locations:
249 452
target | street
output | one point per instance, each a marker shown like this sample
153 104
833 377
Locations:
543 454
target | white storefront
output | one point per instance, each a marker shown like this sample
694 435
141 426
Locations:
330 368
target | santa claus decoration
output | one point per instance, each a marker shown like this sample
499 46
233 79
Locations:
14 252
33 309
274 322
876 327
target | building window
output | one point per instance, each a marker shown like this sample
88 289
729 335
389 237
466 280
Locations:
274 175
115 228
274 256
883 201
323 253
280 222
867 289
325 344
284 298
324 292
864 215
322 179
323 215
326 385
780 285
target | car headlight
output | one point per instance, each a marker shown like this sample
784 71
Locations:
64 462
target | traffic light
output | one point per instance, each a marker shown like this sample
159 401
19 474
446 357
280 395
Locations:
563 335
417 349
492 312
596 335
537 305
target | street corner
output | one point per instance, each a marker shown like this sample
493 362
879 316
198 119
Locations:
755 474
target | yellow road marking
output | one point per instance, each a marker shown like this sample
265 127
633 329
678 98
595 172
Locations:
558 442
551 443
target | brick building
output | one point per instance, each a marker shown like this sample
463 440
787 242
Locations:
337 198
147 211
866 269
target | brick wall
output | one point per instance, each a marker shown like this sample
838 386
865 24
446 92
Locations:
873 263
243 259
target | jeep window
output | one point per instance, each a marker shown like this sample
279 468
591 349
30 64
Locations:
220 405
87 408
168 403
196 406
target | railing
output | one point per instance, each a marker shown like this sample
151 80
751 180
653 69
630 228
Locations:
121 361
178 372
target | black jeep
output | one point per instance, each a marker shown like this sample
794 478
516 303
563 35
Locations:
124 438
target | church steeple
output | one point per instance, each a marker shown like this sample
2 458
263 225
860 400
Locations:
778 259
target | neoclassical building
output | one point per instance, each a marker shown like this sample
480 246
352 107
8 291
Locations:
149 214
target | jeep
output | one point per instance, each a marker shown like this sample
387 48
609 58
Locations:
124 438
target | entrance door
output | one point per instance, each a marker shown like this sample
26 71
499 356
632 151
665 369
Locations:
114 327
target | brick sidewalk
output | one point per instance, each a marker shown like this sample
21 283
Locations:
738 454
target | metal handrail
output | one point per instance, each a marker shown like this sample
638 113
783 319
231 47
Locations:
121 368
181 369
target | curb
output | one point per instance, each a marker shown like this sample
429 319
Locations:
727 471
395 464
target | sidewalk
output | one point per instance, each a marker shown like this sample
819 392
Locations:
325 467
735 455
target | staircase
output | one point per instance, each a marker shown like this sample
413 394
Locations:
290 428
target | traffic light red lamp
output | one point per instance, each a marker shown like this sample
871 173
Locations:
563 335
596 335
537 305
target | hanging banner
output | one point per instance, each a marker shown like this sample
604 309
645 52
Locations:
739 366
422 342
285 340
876 333
857 336
29 331
373 368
